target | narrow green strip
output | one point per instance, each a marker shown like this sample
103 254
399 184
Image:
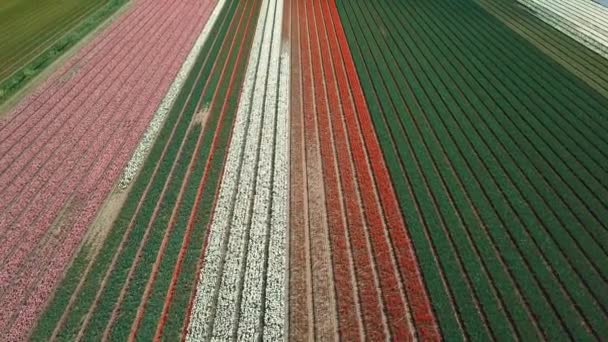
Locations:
75 33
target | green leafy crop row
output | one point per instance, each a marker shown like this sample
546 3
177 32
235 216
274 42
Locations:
165 168
72 33
497 154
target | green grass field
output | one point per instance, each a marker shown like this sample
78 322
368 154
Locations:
499 158
33 33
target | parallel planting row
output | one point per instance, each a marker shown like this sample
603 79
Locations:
241 293
388 170
583 20
574 56
353 271
63 147
498 156
141 281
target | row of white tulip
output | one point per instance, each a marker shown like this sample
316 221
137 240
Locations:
584 20
244 270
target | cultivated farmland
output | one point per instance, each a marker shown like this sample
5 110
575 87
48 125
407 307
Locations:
348 223
498 156
584 21
34 33
390 170
572 55
142 279
242 290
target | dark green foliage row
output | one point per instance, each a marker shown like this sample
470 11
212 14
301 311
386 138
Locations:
177 132
498 156
219 91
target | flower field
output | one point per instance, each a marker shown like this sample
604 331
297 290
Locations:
62 147
584 21
312 170
571 54
499 164
351 221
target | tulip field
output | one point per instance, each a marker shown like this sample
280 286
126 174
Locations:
498 158
306 170
64 145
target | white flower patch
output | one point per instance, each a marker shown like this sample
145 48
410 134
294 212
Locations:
583 20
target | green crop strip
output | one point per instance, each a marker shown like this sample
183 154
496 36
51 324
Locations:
72 20
178 312
131 302
175 124
127 259
118 275
49 319
502 187
463 293
151 246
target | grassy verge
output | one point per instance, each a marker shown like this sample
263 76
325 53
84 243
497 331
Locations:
20 76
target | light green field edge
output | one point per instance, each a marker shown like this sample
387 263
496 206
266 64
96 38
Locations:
215 49
499 158
27 30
